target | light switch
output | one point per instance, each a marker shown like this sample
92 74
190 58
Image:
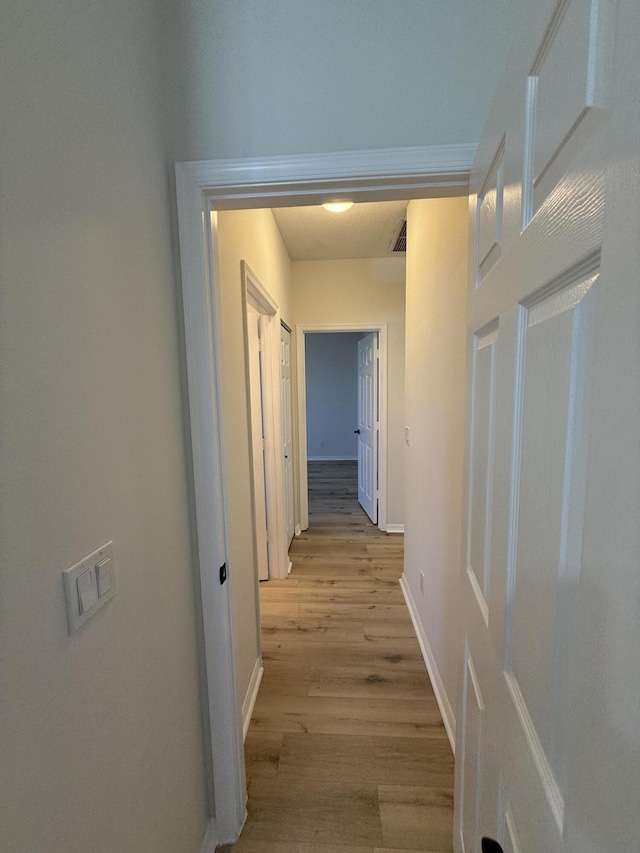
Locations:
87 591
89 585
103 575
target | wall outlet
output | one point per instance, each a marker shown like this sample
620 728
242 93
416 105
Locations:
406 436
422 582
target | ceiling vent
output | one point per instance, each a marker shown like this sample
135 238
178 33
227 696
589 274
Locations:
399 242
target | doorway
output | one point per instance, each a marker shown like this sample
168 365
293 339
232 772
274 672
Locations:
201 188
342 411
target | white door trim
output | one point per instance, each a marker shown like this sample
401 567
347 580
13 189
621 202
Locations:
257 295
201 188
301 331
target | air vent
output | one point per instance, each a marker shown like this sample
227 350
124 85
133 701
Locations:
400 242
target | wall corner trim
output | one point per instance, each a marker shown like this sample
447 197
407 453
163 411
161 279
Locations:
210 840
395 528
436 681
252 694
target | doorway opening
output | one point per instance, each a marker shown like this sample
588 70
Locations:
203 188
341 411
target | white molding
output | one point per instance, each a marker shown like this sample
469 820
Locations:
210 841
419 171
289 568
298 530
197 231
442 699
395 528
332 458
252 694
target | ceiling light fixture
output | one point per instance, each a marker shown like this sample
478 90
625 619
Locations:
337 206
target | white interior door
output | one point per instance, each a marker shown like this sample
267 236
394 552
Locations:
287 428
257 444
368 425
548 752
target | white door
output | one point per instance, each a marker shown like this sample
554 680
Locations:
287 429
257 444
368 425
548 743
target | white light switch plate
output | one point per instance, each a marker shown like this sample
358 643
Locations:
89 585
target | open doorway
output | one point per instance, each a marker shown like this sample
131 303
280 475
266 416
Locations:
201 265
343 414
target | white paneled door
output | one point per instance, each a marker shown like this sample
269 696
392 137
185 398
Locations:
368 425
254 340
287 428
548 749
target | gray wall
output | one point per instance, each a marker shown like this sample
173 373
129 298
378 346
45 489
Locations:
101 732
332 395
265 77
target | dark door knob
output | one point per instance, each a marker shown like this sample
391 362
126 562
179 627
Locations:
490 845
357 431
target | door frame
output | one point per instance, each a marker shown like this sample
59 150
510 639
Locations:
335 328
258 297
202 188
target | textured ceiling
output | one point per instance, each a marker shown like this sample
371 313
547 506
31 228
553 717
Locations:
364 231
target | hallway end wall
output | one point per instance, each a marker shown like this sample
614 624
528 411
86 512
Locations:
331 363
435 385
362 291
250 235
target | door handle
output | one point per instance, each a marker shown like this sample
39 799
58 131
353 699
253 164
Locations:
490 845
357 431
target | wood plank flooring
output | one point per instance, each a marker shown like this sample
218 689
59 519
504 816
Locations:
346 751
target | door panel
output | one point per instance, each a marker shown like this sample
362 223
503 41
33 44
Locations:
368 425
551 589
472 722
287 428
257 444
484 355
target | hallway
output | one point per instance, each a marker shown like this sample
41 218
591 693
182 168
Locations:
346 752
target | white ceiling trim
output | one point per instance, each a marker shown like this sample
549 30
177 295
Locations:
380 174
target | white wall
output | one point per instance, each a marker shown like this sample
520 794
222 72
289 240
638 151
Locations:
331 362
250 235
264 77
369 291
101 732
437 236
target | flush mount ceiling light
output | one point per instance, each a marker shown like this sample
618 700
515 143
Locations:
337 206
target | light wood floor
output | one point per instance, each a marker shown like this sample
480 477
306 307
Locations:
346 752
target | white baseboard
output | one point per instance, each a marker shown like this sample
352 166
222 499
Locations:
252 694
332 458
442 699
289 568
298 530
210 840
395 528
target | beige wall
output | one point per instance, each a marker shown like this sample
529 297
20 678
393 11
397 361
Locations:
101 732
250 235
435 378
363 291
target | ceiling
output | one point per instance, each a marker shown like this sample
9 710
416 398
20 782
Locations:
364 231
